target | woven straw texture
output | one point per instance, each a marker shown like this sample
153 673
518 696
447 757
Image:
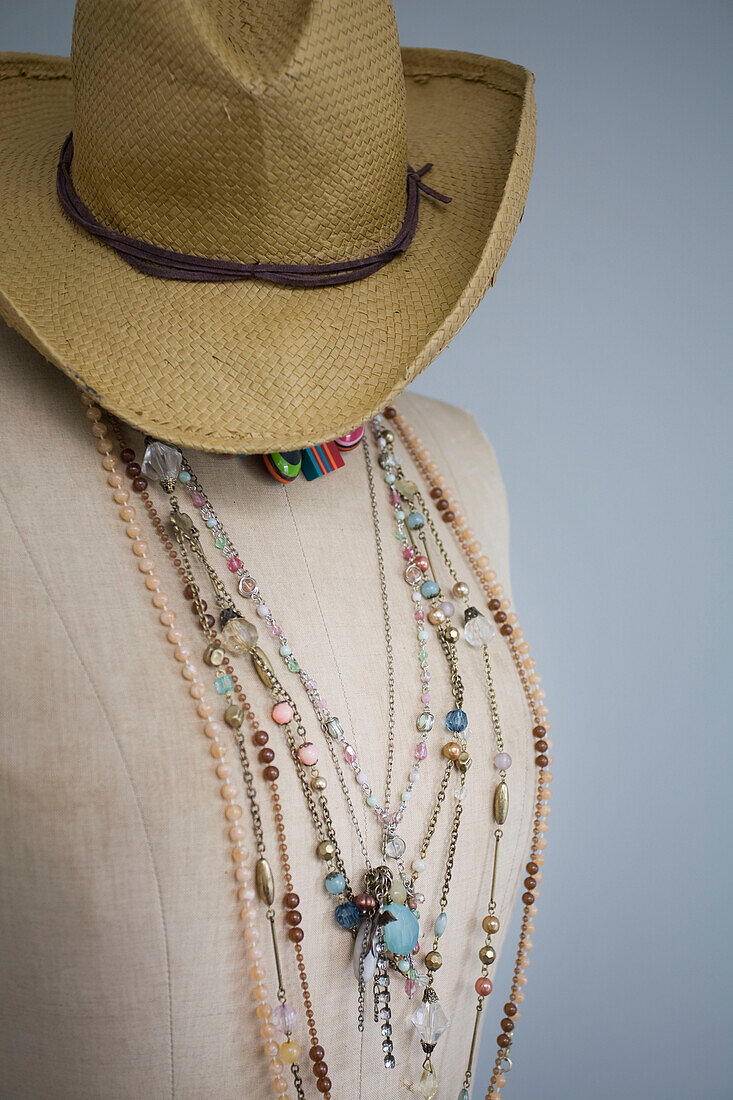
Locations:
218 154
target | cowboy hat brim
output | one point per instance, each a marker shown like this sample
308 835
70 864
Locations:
251 367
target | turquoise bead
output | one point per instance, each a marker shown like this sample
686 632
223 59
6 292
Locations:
404 965
399 514
430 589
372 800
211 522
285 651
400 934
415 521
224 684
390 479
184 477
422 635
335 883
440 923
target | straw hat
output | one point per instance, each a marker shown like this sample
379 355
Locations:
254 132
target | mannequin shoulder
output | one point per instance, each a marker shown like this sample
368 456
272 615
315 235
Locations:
467 461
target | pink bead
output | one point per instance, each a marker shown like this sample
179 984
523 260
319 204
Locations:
233 565
425 697
483 986
282 713
410 987
420 615
408 553
421 750
422 563
349 754
276 630
197 499
263 610
502 761
308 753
394 497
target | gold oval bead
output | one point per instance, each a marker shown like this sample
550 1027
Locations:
433 960
460 589
326 850
490 924
265 881
451 633
234 716
501 803
263 668
214 655
487 955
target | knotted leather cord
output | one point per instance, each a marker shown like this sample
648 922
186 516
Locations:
166 264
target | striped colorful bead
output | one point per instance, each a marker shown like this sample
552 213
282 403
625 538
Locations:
283 465
320 460
350 440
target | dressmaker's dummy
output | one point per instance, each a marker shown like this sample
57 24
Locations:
123 965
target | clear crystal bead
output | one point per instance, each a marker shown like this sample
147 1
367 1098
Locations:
395 847
285 1018
430 1021
428 1084
161 461
479 631
238 636
389 1062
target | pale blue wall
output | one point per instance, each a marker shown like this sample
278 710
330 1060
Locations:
600 368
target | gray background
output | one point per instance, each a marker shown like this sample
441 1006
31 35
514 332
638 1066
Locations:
599 366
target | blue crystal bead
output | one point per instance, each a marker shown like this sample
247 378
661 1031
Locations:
415 521
456 721
335 883
430 589
400 934
440 923
224 684
347 915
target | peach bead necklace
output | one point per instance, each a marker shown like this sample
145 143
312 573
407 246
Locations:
506 619
234 716
245 874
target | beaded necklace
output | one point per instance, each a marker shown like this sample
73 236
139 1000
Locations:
507 622
251 881
499 606
330 723
429 1019
372 945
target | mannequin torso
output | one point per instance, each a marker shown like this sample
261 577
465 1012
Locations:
124 972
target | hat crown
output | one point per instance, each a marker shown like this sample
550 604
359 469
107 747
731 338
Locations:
246 130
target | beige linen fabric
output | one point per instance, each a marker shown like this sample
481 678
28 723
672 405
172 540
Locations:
123 969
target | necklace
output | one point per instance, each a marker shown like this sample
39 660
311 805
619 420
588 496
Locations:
251 881
525 665
506 621
429 1019
392 844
